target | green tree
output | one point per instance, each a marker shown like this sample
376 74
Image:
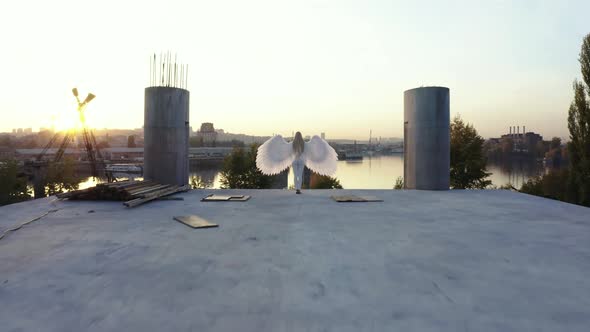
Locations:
61 177
579 128
13 188
468 163
240 172
325 182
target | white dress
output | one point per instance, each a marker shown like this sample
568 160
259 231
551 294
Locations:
276 155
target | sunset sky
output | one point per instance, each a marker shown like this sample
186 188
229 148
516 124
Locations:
263 67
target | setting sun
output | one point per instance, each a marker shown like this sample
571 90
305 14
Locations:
70 118
66 120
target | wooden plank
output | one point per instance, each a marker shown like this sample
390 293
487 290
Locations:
150 197
239 198
142 191
74 193
195 221
155 195
114 184
149 189
136 184
140 187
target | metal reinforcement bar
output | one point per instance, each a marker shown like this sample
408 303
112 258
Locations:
166 71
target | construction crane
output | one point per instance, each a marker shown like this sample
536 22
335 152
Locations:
92 151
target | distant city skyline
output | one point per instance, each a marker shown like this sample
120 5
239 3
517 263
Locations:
264 67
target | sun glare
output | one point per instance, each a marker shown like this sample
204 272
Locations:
69 119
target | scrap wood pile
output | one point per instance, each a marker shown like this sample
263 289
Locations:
133 193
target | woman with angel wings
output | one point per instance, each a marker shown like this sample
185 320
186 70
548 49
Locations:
276 155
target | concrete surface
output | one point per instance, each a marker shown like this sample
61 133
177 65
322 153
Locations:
419 261
166 132
427 149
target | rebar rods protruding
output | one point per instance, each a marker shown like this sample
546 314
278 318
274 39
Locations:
167 73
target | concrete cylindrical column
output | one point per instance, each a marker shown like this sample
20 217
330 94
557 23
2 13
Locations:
427 152
166 133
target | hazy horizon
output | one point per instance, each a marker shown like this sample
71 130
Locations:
265 67
196 128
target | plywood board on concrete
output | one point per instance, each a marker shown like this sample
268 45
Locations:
225 198
195 221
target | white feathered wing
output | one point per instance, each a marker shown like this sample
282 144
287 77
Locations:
275 155
320 157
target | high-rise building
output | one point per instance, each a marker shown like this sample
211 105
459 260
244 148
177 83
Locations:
323 135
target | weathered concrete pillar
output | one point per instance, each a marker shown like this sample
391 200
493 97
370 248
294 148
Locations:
427 152
166 134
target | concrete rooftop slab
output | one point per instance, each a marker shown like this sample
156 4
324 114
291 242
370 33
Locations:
419 261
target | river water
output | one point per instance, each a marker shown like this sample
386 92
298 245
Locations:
380 172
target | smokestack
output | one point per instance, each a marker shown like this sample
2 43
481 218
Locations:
510 130
523 130
517 130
